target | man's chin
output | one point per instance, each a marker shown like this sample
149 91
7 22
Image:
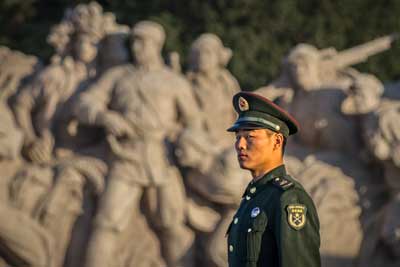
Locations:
243 165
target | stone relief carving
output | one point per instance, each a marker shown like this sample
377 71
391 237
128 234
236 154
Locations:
211 83
141 106
381 135
319 88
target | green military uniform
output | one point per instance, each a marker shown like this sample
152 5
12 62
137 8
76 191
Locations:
277 223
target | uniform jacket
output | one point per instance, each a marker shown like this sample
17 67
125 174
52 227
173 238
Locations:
276 225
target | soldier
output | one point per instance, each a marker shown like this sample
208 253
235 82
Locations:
277 223
142 107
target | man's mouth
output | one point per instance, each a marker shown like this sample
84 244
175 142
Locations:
242 156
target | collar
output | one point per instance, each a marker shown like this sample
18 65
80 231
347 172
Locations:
254 187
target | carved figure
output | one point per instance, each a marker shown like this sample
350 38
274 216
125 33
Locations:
213 84
313 85
141 107
215 183
43 109
336 200
381 133
16 69
43 112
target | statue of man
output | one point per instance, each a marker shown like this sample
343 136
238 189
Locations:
317 96
43 112
213 84
47 100
212 198
313 85
381 133
142 107
43 109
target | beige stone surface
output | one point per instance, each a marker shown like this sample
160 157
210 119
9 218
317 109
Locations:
213 85
142 106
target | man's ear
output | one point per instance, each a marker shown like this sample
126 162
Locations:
278 141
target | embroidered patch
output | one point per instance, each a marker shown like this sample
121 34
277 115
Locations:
255 212
243 104
296 215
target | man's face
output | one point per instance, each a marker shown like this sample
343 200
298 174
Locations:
144 49
254 148
304 73
85 49
206 58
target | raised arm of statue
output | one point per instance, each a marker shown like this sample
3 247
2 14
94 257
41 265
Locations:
41 98
92 105
23 107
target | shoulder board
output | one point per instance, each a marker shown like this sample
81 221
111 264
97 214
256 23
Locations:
282 183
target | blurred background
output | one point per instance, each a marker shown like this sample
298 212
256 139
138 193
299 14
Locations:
259 32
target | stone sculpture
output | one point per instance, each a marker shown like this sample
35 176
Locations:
336 199
215 185
44 107
41 110
213 85
142 107
16 69
47 200
313 85
381 135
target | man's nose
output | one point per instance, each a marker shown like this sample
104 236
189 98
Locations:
241 143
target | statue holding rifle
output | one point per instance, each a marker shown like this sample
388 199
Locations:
313 85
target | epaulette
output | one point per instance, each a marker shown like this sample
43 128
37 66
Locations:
283 183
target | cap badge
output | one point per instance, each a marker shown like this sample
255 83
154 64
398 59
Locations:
243 104
255 212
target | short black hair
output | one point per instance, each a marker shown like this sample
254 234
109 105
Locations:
284 146
270 132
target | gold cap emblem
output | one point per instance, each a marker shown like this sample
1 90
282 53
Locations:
243 104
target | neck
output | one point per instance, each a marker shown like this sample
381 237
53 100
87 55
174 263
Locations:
151 65
260 172
210 74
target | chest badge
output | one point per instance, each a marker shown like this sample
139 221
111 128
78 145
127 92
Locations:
255 212
296 216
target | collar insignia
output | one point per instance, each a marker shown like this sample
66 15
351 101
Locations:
255 212
296 216
243 104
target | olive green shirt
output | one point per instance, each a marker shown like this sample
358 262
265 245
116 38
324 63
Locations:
276 225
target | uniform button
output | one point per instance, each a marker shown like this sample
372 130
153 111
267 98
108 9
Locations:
253 190
248 197
235 221
230 248
249 230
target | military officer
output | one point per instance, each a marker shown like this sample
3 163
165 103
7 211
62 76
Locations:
276 223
